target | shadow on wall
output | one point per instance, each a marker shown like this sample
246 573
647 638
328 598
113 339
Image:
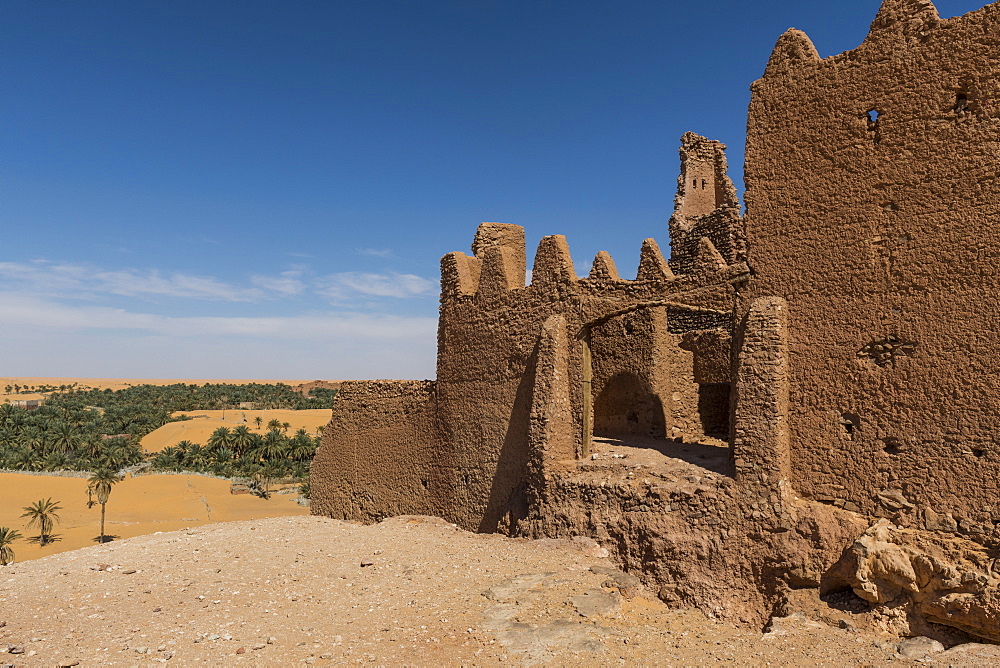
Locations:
627 405
507 503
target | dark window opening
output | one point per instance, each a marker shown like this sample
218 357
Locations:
424 483
694 184
850 422
978 452
704 184
713 409
961 104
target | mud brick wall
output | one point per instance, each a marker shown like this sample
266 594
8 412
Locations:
760 406
488 339
872 208
377 458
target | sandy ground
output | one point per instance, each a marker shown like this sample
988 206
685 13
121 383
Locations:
137 506
409 591
203 423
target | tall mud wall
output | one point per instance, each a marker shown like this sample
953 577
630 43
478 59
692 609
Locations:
873 201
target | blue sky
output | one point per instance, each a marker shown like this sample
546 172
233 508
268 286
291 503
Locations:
251 189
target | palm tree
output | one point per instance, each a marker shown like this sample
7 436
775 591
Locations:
56 461
42 513
196 457
258 421
303 446
66 439
220 438
7 536
274 424
99 485
273 446
242 439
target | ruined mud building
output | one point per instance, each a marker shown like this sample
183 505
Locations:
840 340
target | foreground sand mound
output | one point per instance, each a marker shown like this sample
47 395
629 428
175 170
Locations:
407 591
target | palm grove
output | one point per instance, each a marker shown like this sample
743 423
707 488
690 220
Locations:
99 431
89 430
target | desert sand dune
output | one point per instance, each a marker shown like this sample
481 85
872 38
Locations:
137 506
203 423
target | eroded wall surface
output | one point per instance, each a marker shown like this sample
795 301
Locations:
872 208
380 451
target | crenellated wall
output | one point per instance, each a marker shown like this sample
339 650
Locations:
488 336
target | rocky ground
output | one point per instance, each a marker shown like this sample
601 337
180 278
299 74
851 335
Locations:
411 590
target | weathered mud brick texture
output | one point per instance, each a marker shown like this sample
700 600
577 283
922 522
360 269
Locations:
873 204
798 408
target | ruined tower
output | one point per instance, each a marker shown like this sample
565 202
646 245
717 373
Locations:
706 206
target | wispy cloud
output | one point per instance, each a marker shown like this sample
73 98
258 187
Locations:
66 281
375 252
345 284
57 339
287 283
77 280
33 312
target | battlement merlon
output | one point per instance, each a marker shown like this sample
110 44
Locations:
908 23
497 270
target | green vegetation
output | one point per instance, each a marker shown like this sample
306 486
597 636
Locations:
32 389
90 430
7 537
42 513
241 453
